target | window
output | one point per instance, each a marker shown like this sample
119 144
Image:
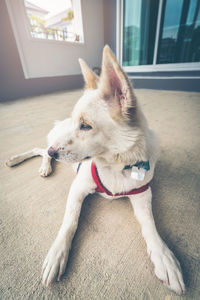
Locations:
158 34
179 40
46 53
53 20
139 29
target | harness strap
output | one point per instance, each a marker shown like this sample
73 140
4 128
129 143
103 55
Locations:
102 189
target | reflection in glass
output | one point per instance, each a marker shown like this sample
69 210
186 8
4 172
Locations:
180 32
139 30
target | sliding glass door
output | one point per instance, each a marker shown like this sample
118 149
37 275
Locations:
179 40
155 33
139 31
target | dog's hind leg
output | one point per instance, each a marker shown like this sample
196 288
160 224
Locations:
167 267
45 168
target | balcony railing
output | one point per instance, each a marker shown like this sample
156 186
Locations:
53 34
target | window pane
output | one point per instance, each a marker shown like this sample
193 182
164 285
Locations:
139 30
52 20
180 32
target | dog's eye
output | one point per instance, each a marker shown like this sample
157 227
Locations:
84 126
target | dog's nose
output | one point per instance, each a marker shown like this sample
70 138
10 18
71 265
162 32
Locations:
53 153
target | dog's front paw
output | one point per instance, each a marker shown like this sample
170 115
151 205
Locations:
55 262
45 170
168 270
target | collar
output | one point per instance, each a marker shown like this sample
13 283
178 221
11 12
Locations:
102 189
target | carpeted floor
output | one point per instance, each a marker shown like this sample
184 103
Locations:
108 259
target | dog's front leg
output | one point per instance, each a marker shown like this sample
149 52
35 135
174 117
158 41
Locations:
56 260
167 267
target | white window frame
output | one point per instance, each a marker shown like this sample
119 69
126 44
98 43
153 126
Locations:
148 68
26 23
57 58
22 33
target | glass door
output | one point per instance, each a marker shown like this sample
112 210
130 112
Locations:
159 34
179 40
139 31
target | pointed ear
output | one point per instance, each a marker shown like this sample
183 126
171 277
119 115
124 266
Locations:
91 79
114 85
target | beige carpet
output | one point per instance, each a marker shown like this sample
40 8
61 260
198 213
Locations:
108 258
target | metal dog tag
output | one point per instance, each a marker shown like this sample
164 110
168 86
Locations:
138 174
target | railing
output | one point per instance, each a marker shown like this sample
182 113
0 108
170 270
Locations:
53 34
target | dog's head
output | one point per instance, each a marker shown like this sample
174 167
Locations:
105 122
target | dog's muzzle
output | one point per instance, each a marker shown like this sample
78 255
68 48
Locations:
53 153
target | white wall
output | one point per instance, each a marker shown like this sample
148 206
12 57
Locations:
43 58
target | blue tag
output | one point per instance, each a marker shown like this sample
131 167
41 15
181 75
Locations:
143 165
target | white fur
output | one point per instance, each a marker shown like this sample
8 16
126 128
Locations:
112 143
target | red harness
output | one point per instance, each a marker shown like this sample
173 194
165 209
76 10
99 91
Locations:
102 189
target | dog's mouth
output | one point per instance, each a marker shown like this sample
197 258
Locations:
87 157
71 160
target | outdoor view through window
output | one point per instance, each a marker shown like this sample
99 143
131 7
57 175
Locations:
52 20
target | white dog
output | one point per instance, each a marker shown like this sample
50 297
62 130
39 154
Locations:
109 135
